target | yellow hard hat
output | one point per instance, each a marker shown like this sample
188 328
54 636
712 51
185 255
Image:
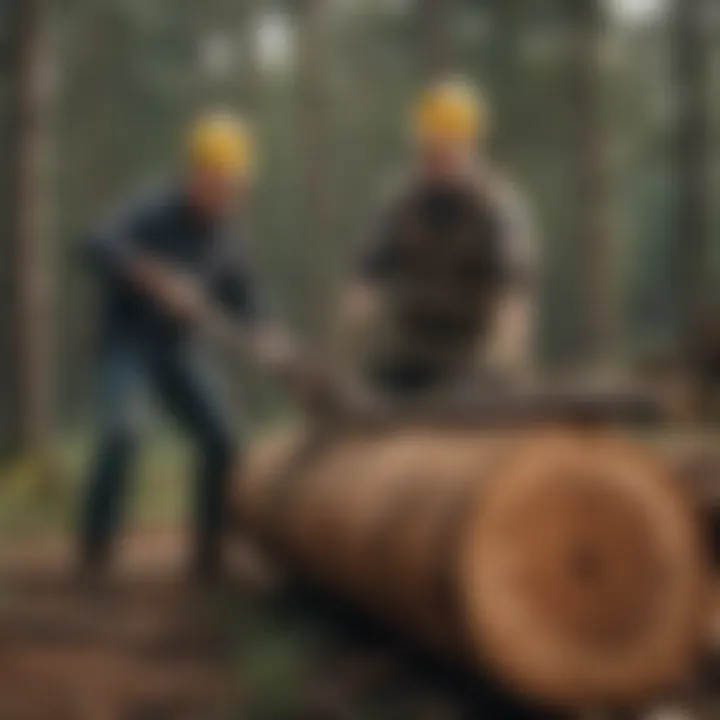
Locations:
221 142
451 111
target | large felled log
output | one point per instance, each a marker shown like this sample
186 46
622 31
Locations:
697 462
568 563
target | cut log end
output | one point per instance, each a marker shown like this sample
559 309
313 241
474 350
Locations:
582 573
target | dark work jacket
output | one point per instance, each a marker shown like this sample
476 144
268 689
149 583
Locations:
165 227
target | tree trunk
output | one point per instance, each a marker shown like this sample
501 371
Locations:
692 228
436 46
29 379
247 58
596 270
315 169
226 58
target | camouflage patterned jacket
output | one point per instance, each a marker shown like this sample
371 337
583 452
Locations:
444 259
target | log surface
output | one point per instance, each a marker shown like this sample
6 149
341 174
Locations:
567 562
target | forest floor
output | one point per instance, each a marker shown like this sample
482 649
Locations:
136 649
151 646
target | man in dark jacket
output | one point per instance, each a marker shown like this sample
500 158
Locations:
158 264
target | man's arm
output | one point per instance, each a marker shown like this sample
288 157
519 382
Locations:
235 290
379 260
117 253
176 293
269 342
109 249
510 345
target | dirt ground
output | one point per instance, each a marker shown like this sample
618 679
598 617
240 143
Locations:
151 646
142 647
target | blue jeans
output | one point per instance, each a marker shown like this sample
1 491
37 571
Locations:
184 386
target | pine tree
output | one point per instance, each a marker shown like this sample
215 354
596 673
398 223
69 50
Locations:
29 321
692 222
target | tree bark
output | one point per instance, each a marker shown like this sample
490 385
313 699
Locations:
596 266
29 322
315 140
692 158
226 68
436 46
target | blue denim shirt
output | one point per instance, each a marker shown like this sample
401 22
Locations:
166 228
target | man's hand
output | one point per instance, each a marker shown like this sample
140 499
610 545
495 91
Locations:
273 347
310 380
359 306
176 293
357 315
182 298
507 350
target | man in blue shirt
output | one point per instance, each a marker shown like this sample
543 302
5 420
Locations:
159 264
